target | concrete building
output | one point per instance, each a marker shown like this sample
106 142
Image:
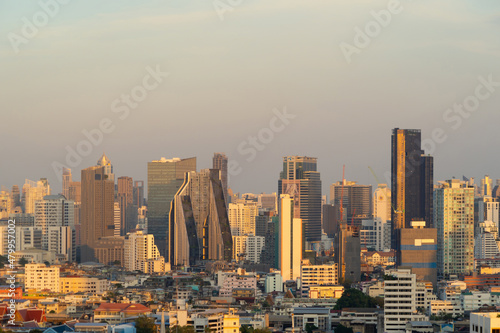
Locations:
139 251
418 250
105 162
301 181
273 282
290 240
348 253
84 284
357 201
268 201
318 275
40 277
485 322
242 217
128 213
97 210
62 242
165 177
486 241
220 162
319 317
254 247
454 217
34 191
400 300
199 228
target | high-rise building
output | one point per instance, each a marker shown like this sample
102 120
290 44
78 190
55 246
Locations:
97 210
199 225
329 220
400 300
128 215
220 162
486 209
66 180
105 162
34 191
357 201
301 181
348 253
5 203
382 202
61 241
54 211
268 201
117 219
454 217
419 250
16 196
485 241
140 249
138 193
412 181
290 239
486 189
242 217
165 177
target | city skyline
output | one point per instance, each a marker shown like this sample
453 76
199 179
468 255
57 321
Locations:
237 71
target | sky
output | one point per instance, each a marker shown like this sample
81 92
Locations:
256 79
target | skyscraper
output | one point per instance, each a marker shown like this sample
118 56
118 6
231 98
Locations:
290 239
454 216
53 211
128 216
412 181
105 162
138 193
97 210
301 181
165 177
357 201
220 162
242 217
347 253
66 180
199 225
16 196
34 191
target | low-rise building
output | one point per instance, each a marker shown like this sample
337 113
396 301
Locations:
485 322
114 313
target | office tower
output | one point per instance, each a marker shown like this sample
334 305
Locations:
140 252
75 192
486 189
329 220
357 201
242 217
16 196
138 193
220 162
348 253
53 211
165 177
419 251
268 201
66 180
412 181
454 217
97 210
400 300
109 250
117 219
270 253
290 239
105 162
128 214
34 191
301 181
199 225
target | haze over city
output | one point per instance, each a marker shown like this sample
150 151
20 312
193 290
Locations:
228 70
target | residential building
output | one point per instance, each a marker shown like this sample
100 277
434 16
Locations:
290 240
42 278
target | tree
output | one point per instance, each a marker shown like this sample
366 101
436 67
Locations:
46 263
144 324
23 261
354 298
117 263
343 329
311 327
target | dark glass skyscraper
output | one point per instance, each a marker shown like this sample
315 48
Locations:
165 177
301 180
412 181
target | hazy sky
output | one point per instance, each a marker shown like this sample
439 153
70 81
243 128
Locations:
229 70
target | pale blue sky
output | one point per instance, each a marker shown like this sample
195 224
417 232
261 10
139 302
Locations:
227 76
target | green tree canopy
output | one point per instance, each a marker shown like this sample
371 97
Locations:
354 298
144 324
23 261
343 329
